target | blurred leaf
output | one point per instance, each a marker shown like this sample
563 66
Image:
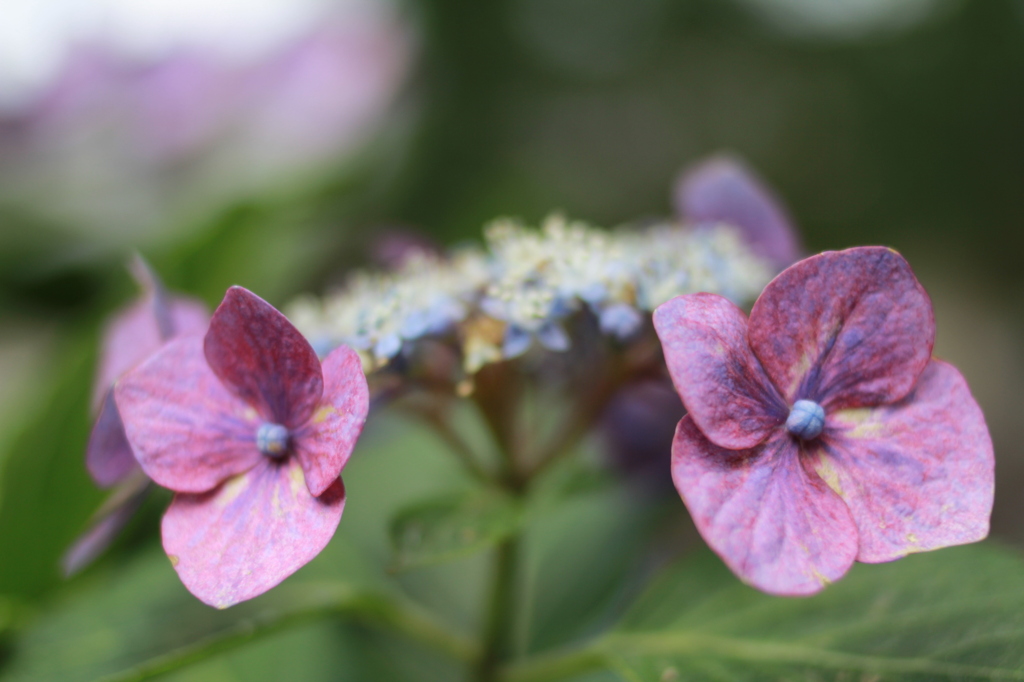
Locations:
269 249
452 526
45 492
397 462
582 553
131 610
956 614
140 621
571 477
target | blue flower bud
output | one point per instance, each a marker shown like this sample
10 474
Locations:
272 439
806 420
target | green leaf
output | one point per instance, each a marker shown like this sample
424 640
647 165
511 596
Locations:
580 553
129 616
139 621
452 526
955 614
45 493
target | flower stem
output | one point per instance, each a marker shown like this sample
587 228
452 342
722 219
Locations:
456 444
498 625
592 402
559 665
313 602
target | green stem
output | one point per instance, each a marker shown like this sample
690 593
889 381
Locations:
592 403
458 446
555 666
497 393
314 602
498 626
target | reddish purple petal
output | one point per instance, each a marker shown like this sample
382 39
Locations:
722 384
724 190
108 456
189 433
135 334
844 328
325 443
238 541
105 526
260 356
917 475
778 527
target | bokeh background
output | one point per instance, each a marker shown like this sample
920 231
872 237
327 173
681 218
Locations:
266 143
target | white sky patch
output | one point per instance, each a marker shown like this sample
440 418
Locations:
35 35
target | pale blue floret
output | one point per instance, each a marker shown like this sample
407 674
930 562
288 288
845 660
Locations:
323 345
620 320
517 341
806 419
415 324
594 293
272 439
553 337
388 346
435 319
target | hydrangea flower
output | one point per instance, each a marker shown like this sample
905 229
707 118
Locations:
197 123
821 431
129 338
522 288
251 432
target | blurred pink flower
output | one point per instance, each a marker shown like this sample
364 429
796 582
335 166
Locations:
821 431
194 129
129 338
252 433
722 189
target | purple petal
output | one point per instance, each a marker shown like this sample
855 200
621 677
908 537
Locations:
108 456
778 527
189 433
844 328
917 475
323 446
724 190
238 541
104 529
134 334
723 386
263 359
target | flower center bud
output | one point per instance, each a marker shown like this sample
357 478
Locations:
272 439
806 420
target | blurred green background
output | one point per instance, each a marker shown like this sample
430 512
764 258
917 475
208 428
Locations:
875 123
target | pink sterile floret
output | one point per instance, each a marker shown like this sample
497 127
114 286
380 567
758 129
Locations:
722 189
821 431
129 338
252 433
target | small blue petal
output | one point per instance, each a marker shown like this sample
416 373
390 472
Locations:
388 346
415 324
322 345
443 314
562 307
358 342
806 419
594 293
517 342
553 337
620 320
492 307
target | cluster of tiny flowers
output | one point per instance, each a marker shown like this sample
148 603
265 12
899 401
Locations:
517 291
